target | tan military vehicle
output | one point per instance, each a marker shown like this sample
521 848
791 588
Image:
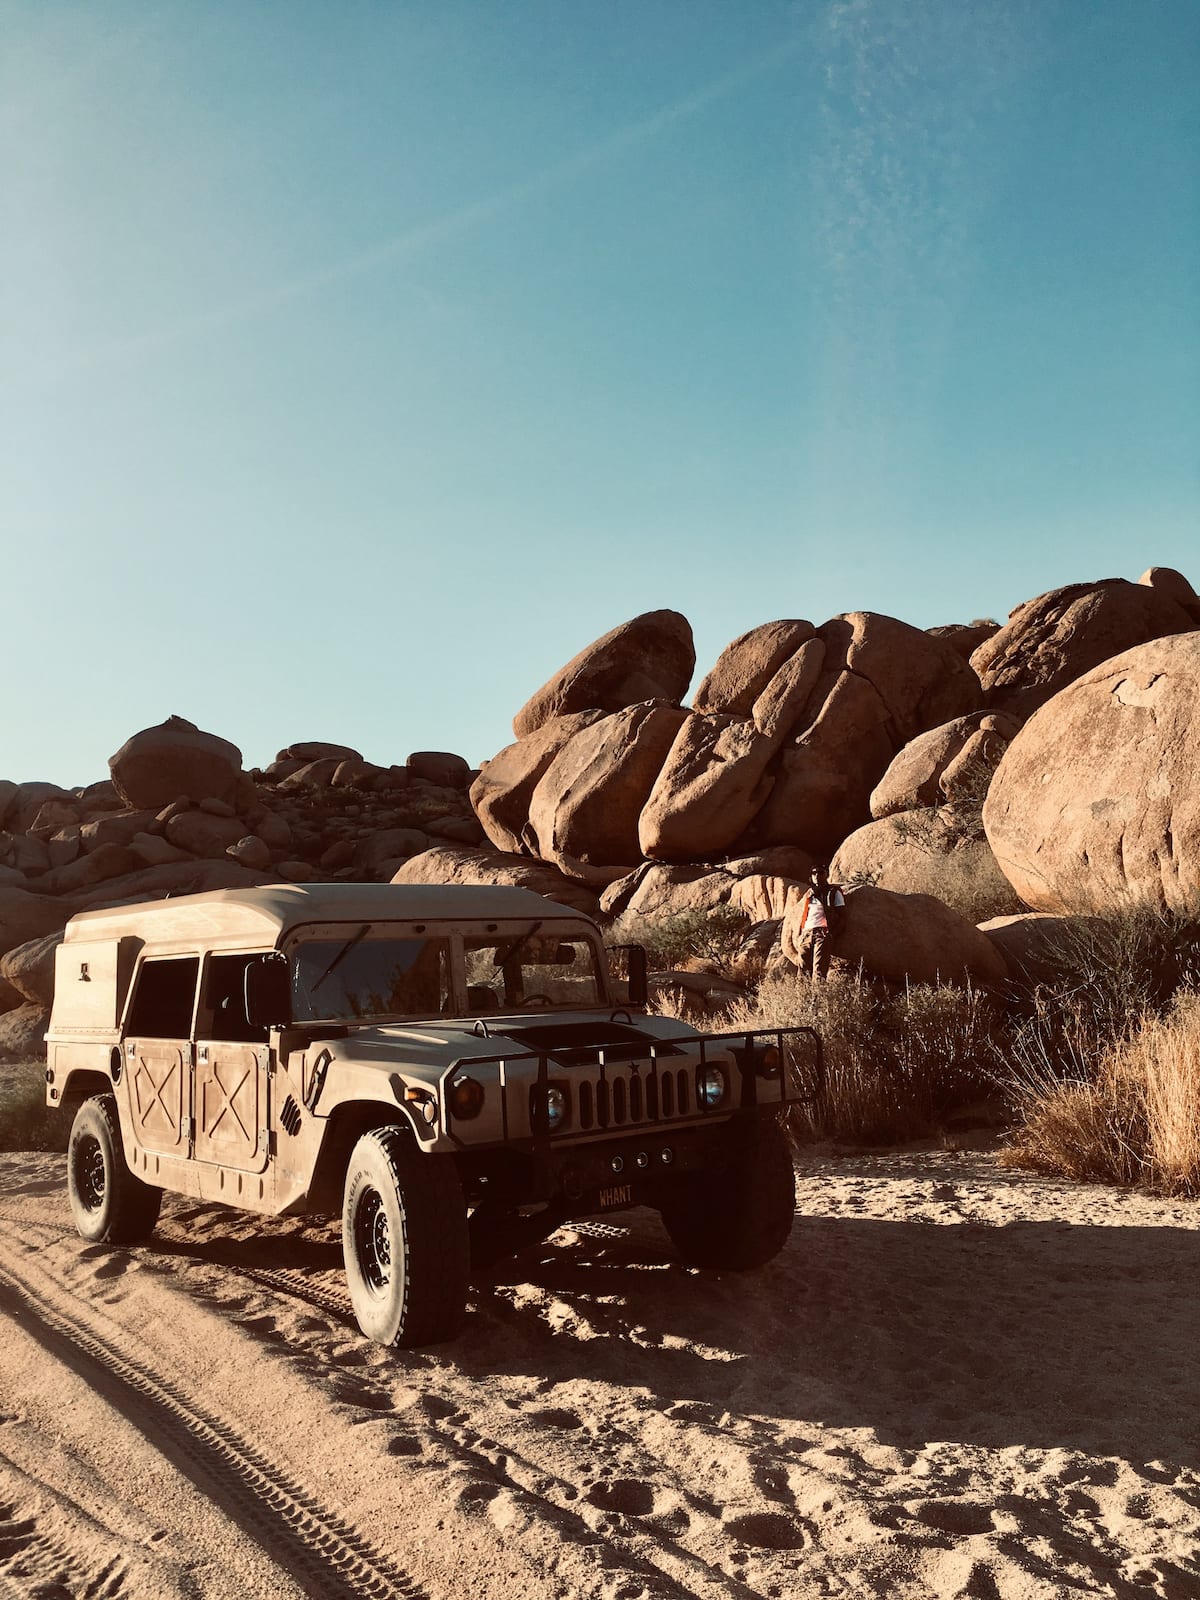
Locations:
453 1067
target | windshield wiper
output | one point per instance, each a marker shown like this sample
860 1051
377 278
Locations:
519 943
355 938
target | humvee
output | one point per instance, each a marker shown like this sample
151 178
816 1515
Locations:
453 1067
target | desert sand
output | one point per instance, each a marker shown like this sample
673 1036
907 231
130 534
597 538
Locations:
956 1381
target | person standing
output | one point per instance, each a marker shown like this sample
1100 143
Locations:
820 915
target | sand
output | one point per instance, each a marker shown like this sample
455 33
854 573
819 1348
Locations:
956 1381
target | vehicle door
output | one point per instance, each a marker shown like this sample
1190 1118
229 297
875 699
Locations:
231 1077
158 1052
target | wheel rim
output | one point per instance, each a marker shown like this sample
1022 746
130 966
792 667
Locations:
373 1241
91 1176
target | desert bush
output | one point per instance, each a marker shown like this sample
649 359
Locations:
26 1122
1135 1119
711 935
896 1061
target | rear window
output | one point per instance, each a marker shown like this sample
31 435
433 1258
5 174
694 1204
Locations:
164 999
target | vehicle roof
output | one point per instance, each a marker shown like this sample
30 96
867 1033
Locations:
263 915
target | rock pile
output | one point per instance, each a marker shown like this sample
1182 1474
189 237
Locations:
863 739
179 815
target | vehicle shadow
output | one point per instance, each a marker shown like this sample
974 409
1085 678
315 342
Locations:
1035 1334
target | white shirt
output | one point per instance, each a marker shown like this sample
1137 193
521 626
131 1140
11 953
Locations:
814 912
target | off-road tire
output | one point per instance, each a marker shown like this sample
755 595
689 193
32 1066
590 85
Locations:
740 1217
404 1241
108 1204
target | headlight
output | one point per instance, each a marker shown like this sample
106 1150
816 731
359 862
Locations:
710 1083
466 1098
557 1103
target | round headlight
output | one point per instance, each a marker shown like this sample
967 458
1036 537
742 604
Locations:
711 1083
556 1106
466 1098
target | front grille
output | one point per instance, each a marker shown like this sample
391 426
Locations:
619 1101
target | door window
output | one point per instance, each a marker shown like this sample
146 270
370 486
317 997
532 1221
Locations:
164 999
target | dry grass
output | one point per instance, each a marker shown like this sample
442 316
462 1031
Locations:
896 1063
1135 1121
26 1122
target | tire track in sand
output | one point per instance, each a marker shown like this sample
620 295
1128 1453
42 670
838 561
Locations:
324 1554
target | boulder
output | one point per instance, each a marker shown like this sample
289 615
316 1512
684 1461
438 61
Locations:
23 1033
914 776
1036 946
118 827
152 850
28 801
63 846
766 897
651 657
502 791
57 812
156 883
1095 805
1169 582
354 773
10 998
905 938
965 637
658 891
693 994
455 864
296 871
745 667
709 789
1054 639
274 831
459 830
8 793
384 845
883 684
28 855
926 852
175 758
584 813
202 835
104 862
312 775
250 852
318 750
442 767
30 969
781 860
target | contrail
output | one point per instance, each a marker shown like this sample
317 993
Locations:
462 219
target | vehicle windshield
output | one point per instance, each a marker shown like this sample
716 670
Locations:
528 968
363 975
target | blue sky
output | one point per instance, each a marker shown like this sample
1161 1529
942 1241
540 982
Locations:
360 362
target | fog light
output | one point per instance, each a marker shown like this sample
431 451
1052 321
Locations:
617 1164
642 1159
710 1081
666 1155
466 1098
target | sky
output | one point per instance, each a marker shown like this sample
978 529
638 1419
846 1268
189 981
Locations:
360 362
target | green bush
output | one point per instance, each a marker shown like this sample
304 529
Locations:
26 1121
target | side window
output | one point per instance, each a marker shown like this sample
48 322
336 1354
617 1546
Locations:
163 999
222 1014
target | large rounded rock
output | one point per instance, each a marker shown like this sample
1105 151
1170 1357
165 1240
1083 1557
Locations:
651 657
1037 946
172 759
914 777
502 791
657 890
745 667
709 789
1054 639
23 1033
883 684
904 937
1170 582
457 864
25 916
1096 804
926 852
584 812
30 969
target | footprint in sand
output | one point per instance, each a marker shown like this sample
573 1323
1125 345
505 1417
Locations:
553 1417
765 1530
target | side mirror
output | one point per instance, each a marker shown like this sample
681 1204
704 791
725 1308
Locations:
635 968
268 992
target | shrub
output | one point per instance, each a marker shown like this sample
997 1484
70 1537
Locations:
1136 1120
712 935
26 1121
896 1062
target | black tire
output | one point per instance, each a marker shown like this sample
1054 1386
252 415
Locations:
404 1241
109 1205
739 1217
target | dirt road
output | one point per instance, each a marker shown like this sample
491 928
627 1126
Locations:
956 1382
